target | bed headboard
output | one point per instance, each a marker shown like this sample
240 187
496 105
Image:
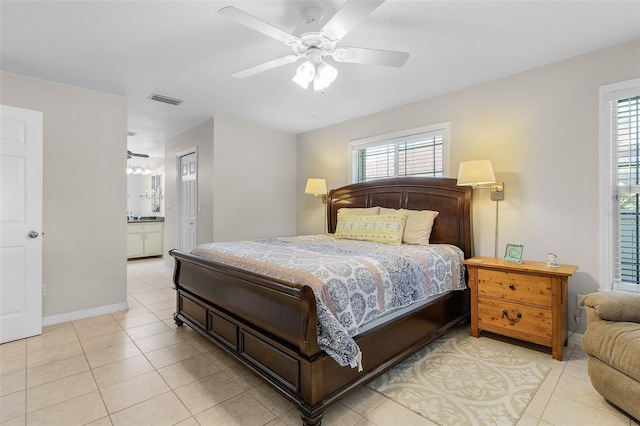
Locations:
452 226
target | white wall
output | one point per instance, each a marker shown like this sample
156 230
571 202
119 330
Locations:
84 203
540 130
246 182
254 174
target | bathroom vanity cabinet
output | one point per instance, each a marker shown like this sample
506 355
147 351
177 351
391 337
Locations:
145 239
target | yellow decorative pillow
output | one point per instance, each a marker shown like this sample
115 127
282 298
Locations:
360 211
386 229
417 229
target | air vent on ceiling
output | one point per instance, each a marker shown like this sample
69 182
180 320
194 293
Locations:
166 99
131 133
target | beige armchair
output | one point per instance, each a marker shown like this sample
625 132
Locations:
612 343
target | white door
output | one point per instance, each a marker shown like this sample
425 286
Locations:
20 223
188 202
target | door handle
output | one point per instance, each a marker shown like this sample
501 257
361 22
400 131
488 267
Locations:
33 234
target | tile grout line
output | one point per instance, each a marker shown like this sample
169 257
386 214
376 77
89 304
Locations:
222 370
93 375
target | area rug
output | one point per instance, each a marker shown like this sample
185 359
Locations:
458 380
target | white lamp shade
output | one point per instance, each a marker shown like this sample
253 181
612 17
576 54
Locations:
316 186
475 173
325 74
304 75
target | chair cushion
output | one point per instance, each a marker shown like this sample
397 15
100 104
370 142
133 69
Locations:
615 305
616 344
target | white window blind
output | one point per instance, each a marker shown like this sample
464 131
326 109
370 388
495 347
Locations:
625 189
415 153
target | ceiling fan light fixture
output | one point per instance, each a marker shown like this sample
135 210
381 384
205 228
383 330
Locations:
305 74
325 75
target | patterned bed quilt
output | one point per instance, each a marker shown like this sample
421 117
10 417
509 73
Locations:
354 282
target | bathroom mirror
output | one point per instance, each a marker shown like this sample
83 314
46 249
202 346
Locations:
145 195
156 197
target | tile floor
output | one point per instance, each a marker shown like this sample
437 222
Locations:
136 367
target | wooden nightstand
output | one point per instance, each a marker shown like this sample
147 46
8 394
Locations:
525 301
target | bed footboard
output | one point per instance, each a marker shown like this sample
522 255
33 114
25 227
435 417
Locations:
284 311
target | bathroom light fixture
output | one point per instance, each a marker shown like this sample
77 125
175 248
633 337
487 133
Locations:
479 175
138 170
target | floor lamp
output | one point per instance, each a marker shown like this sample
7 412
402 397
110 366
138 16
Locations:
318 187
479 175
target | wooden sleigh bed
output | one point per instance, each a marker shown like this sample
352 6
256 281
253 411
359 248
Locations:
270 325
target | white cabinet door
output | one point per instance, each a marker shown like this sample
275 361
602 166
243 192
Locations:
153 243
135 245
20 223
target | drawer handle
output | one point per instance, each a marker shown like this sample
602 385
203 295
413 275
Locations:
505 313
512 287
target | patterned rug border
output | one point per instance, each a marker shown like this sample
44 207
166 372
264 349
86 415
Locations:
457 380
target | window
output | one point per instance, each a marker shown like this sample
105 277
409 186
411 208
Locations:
620 113
627 194
416 152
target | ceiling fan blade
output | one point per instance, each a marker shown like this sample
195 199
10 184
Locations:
359 55
266 66
258 25
134 154
350 14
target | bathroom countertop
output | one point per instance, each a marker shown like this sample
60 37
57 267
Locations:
147 219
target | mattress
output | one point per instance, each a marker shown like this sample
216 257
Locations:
357 284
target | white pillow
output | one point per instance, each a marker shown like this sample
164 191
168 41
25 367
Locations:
417 229
360 211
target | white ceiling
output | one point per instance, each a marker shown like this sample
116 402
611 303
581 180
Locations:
186 50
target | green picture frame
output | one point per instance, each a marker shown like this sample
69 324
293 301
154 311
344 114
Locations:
513 253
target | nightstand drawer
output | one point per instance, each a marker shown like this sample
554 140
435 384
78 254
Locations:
515 287
533 324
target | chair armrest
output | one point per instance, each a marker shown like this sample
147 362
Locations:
614 305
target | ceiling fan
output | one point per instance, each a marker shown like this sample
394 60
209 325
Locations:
134 154
314 42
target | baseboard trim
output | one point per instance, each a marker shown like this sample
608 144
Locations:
576 339
72 316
